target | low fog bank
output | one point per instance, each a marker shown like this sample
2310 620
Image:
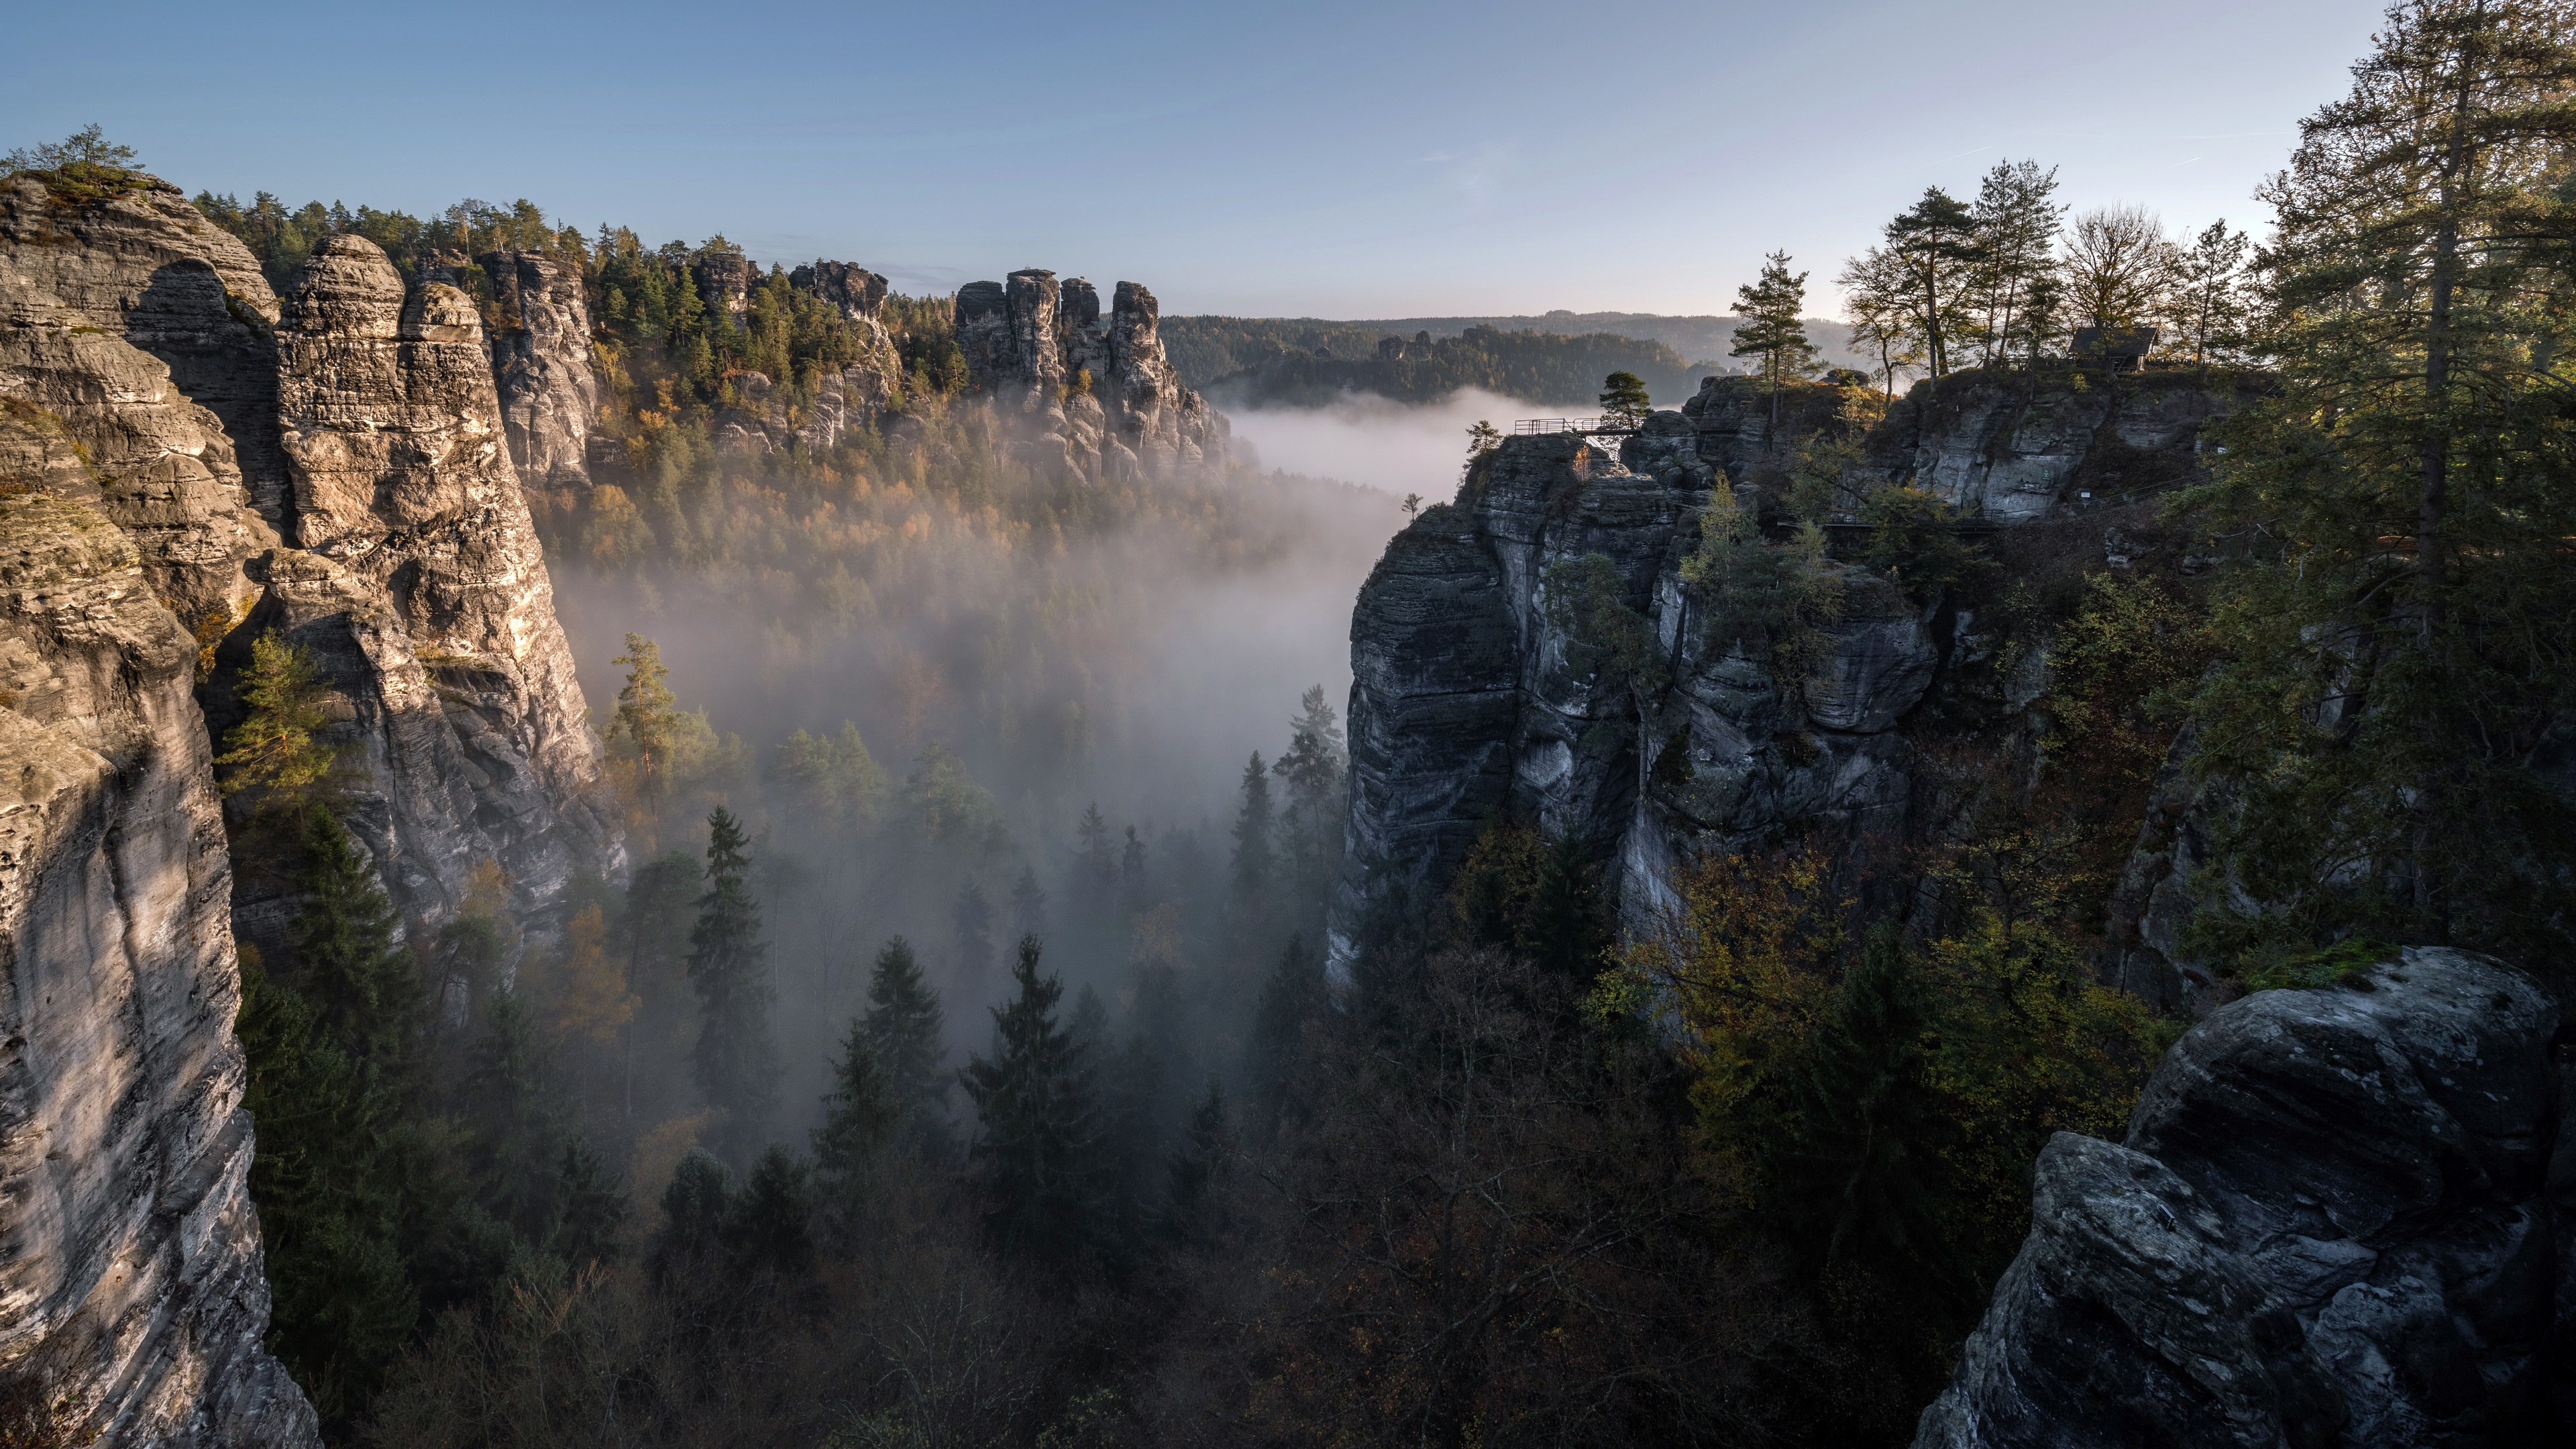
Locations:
1394 447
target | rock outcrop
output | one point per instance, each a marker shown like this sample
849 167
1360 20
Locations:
1089 399
2005 445
166 431
725 279
131 1294
1465 705
856 396
541 368
422 590
2341 1216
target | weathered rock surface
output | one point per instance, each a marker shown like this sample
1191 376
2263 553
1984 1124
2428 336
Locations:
856 396
145 330
145 484
2007 446
542 368
725 279
1031 344
1464 705
423 591
2338 1219
130 1282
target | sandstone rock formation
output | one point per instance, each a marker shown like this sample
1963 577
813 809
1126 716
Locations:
145 486
857 395
1090 399
130 1284
542 368
2005 446
423 592
2341 1217
1464 703
725 279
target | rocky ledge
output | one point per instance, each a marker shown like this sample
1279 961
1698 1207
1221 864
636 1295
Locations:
2342 1217
1085 399
1466 703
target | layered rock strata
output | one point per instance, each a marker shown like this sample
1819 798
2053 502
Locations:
131 1296
541 368
1084 397
2006 446
422 591
1466 703
147 494
2341 1217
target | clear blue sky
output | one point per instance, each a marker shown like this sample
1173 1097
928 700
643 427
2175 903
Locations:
1330 160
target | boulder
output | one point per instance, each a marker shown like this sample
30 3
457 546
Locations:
2332 1223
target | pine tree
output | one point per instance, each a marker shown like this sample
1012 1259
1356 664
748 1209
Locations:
695 1208
903 1026
2393 642
767 1230
365 997
644 730
2016 216
1036 1154
1314 771
1028 904
1877 287
2209 303
1933 245
510 1109
273 749
1099 868
1131 871
592 1219
1252 827
860 1119
1195 1165
1771 329
1858 1181
1289 999
1624 400
729 966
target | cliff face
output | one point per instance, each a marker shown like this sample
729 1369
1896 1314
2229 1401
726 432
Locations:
2006 446
130 1285
542 370
166 429
1464 703
1030 343
422 590
2340 1217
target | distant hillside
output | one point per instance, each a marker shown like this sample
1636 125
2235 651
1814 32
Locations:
1207 350
1279 368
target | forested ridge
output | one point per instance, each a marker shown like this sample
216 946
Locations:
909 1089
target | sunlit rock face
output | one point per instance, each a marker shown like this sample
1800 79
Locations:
422 591
1078 395
185 463
2341 1216
1465 705
541 367
130 1278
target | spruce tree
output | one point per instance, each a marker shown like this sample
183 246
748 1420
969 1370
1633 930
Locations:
1194 1165
729 965
903 1027
2393 637
1036 1152
1028 904
1858 1179
860 1120
1252 839
365 998
511 1112
592 1219
1289 999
